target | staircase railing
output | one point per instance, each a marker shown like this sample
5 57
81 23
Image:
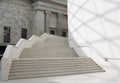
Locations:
13 52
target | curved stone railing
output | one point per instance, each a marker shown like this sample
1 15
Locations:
13 52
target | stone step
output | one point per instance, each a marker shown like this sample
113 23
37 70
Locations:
60 73
43 46
39 68
62 62
51 65
53 62
34 65
53 59
52 52
45 56
40 71
48 49
48 54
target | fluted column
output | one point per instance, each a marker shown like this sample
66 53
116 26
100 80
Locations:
59 24
39 22
47 24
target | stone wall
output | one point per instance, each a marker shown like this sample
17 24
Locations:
53 20
55 17
35 16
15 14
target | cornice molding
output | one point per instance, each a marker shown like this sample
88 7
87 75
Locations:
55 2
40 5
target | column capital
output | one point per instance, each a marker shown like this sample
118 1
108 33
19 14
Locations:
60 14
48 12
38 9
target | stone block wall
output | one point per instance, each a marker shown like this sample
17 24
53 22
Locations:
16 14
34 15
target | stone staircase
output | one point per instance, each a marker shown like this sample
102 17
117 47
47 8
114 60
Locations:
51 57
53 46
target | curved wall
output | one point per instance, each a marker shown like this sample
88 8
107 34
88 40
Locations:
96 24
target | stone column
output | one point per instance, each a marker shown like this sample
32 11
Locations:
47 24
39 22
59 24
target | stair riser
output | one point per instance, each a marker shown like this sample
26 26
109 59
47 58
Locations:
55 71
45 56
50 69
51 66
52 59
60 54
49 75
52 62
54 67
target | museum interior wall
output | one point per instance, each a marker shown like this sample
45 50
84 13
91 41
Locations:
24 18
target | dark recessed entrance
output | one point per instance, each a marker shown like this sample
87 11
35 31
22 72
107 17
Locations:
64 34
2 50
52 32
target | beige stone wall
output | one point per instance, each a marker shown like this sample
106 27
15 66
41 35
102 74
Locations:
64 22
15 14
53 20
55 14
37 17
60 1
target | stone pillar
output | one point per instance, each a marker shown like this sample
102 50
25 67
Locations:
59 24
47 24
1 34
39 22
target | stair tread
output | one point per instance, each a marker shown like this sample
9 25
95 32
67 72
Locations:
51 71
52 65
51 75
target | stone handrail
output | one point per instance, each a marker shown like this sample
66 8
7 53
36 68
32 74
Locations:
6 62
13 52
